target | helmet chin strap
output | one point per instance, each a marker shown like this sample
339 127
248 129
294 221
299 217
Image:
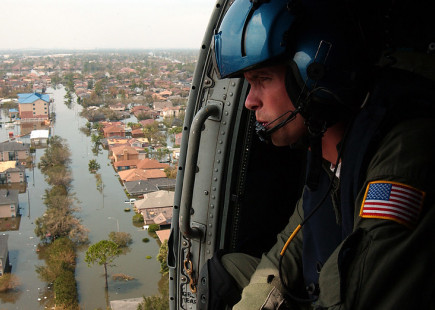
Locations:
264 134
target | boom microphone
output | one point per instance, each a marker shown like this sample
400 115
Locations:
264 133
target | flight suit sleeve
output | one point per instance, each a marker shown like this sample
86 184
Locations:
264 288
385 263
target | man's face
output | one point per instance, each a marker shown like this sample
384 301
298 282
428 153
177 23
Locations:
268 98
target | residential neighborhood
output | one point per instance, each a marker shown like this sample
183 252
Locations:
108 94
131 107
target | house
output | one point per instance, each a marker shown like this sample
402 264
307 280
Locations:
137 133
114 142
159 106
39 137
11 173
148 164
8 203
139 142
142 153
14 151
175 154
117 107
171 112
114 130
178 137
124 152
125 164
139 109
4 254
33 106
141 187
140 174
165 93
156 208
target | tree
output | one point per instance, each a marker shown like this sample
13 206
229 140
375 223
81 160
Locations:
55 79
57 154
93 166
69 82
153 134
60 261
103 253
175 130
113 91
171 172
8 281
138 218
122 239
98 88
59 256
60 221
153 227
65 288
162 153
59 176
100 185
161 257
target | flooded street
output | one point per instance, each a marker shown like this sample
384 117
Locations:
101 213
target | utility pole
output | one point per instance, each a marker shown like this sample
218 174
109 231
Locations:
28 198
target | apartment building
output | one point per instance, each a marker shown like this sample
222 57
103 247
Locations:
33 106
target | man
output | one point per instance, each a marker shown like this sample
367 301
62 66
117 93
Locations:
360 237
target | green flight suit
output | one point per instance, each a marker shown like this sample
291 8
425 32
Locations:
388 265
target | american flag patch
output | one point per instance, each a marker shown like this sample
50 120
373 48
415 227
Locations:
392 201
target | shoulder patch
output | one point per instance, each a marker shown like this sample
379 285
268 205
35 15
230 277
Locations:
392 201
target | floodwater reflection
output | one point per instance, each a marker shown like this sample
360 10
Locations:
11 296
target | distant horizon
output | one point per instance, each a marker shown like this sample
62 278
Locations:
98 49
103 24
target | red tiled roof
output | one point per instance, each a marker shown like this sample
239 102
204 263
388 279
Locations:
124 163
151 164
163 234
139 174
119 150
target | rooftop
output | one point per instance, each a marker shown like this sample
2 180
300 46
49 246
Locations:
32 97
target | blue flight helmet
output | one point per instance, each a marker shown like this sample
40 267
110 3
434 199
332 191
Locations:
315 39
251 33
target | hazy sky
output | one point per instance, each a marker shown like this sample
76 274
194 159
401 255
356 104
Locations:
88 24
